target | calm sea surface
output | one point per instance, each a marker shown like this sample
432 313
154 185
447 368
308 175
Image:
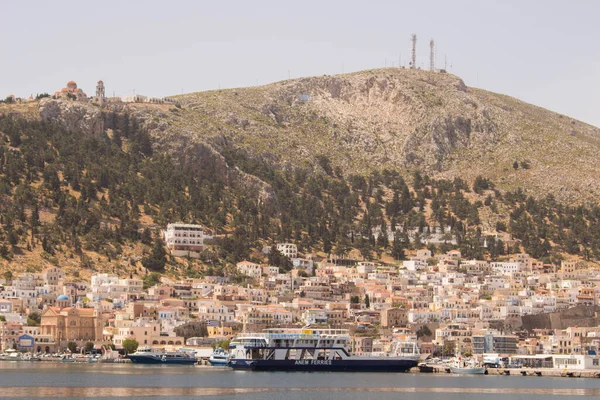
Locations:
41 380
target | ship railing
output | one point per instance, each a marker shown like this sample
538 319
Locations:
313 331
406 349
290 336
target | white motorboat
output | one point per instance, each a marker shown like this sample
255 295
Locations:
219 357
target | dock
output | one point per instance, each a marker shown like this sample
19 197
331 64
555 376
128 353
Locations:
549 372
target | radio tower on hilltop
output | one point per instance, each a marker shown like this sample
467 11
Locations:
413 62
431 55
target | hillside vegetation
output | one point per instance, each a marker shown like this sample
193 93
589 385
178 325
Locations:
89 188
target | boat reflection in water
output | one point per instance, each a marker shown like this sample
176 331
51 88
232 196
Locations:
314 350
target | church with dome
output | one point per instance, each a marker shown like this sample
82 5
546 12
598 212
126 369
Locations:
67 323
71 91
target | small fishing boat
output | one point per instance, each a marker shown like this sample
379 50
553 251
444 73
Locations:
67 359
12 355
467 367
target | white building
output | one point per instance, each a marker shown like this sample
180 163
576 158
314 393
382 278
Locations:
314 316
289 250
365 267
106 286
185 240
304 264
249 268
414 264
506 268
138 98
211 311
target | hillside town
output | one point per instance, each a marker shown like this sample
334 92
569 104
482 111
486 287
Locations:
449 305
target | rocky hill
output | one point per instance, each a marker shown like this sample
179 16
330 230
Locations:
396 119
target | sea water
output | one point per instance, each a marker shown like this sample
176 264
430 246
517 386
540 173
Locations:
41 380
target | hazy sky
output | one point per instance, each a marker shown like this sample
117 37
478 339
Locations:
543 52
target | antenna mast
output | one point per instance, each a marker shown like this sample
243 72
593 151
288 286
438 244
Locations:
413 63
431 55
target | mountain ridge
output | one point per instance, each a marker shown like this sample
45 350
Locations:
392 118
401 119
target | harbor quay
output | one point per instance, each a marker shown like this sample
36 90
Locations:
547 372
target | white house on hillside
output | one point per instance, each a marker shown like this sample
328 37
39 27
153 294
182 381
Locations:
185 240
249 268
289 250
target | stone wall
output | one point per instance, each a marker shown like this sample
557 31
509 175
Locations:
576 316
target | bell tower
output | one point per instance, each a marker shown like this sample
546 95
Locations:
100 94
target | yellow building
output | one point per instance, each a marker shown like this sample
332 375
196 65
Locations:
219 331
69 324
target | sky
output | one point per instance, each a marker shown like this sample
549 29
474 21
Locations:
542 52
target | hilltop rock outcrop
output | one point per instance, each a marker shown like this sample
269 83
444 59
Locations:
74 116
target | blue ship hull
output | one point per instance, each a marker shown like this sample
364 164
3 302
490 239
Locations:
158 360
218 362
361 365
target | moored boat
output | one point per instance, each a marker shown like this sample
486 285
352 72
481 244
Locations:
219 357
314 350
470 367
148 356
426 368
67 359
12 355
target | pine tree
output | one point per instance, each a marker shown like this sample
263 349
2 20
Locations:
398 247
157 259
13 238
382 239
326 245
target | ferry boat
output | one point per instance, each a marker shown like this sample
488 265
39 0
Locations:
219 358
148 356
314 350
